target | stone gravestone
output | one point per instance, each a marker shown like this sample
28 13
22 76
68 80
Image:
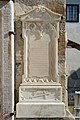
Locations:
40 94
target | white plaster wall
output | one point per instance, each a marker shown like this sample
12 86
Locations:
73 29
73 60
73 33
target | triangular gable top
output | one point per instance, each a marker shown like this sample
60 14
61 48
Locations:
41 13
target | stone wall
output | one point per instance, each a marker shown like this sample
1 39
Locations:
18 57
21 7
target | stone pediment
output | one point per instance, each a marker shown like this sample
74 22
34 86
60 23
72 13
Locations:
41 13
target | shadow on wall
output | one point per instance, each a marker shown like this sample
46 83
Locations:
73 44
73 85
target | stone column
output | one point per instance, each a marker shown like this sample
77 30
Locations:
55 49
25 37
7 61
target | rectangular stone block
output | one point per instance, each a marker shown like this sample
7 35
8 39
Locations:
40 93
40 110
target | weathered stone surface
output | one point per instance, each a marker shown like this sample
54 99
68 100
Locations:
36 2
5 49
3 3
18 57
40 110
51 92
21 7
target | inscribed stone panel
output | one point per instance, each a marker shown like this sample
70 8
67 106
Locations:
41 42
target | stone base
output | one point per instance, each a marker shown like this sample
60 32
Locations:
40 110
